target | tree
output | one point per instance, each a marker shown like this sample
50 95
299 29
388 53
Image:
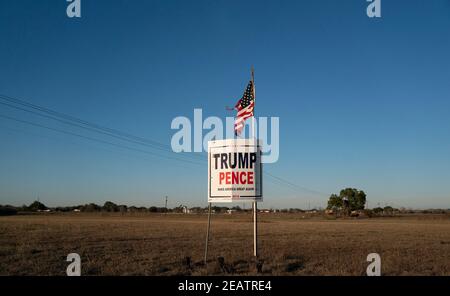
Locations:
122 208
7 210
92 207
388 210
218 209
110 207
378 210
335 202
356 199
37 206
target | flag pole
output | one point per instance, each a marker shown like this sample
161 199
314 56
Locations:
254 103
255 206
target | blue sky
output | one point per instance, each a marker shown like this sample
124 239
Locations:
362 102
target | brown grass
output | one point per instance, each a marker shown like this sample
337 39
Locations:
158 244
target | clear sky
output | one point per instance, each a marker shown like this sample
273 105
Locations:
362 102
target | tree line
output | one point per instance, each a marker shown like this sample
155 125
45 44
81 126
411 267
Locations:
348 201
109 207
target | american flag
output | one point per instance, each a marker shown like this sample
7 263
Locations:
244 108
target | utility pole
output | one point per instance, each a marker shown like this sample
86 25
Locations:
166 203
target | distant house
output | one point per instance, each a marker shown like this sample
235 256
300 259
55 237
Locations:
354 214
77 210
45 211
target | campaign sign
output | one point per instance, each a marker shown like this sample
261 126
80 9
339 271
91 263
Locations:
234 170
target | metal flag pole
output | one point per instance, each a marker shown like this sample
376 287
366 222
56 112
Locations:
255 206
207 231
254 104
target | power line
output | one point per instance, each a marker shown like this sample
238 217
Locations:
73 118
87 128
294 186
125 152
97 140
74 121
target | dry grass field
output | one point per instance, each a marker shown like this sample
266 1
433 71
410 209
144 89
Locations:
157 244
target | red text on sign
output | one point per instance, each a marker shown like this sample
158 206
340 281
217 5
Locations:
236 178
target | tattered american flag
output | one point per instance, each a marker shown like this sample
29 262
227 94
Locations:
245 108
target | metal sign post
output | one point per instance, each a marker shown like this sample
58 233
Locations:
255 229
207 231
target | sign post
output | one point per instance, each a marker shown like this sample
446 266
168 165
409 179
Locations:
234 175
255 229
207 231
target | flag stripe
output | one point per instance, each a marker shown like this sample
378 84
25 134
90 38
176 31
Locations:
249 107
245 108
243 118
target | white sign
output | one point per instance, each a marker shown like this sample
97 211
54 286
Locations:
234 170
